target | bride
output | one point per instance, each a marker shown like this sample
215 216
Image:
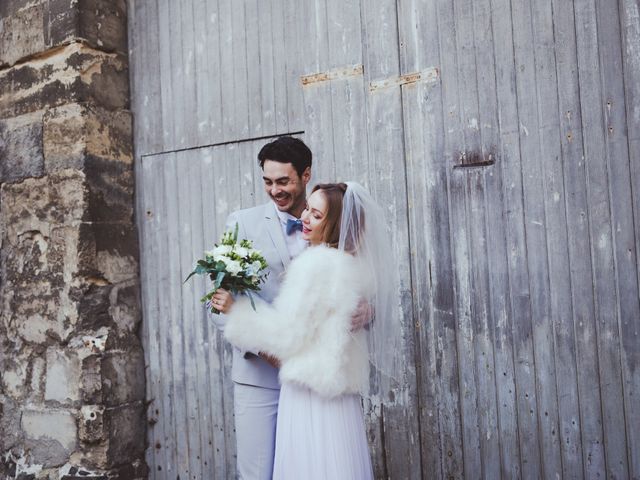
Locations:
320 431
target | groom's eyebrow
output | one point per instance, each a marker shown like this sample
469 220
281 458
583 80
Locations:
277 179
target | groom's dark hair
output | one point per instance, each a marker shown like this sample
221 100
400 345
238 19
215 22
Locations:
286 150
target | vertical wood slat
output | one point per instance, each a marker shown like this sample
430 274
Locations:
454 42
213 355
627 306
589 424
630 25
530 96
316 104
496 251
396 403
348 112
519 323
437 364
592 103
556 239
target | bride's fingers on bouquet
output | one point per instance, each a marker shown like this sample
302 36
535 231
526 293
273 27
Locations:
222 300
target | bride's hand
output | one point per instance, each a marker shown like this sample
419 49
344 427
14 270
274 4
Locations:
222 300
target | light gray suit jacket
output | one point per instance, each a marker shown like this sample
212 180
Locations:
262 226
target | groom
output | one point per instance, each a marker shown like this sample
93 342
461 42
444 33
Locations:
275 230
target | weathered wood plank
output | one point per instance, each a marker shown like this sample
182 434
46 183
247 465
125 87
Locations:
189 199
630 25
395 399
169 455
432 276
528 68
465 115
150 310
498 325
166 83
575 199
175 337
295 35
212 357
283 58
177 71
205 78
519 313
317 96
593 97
185 95
348 112
259 66
556 233
622 221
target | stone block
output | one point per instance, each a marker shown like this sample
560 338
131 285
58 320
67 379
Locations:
123 377
10 420
92 425
51 436
63 376
103 23
74 73
41 240
28 28
21 30
126 433
92 379
21 154
73 132
15 373
100 145
125 309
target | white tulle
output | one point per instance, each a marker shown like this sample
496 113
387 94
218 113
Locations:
318 438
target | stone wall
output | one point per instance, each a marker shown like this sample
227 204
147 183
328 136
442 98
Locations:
71 365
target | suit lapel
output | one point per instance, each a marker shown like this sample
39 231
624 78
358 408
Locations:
275 232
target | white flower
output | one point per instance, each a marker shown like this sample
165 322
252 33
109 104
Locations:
241 251
233 267
221 250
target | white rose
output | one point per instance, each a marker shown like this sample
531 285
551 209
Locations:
241 251
233 267
221 250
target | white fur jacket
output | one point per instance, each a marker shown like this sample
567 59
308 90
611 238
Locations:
308 325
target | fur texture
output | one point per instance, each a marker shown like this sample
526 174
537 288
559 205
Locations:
308 325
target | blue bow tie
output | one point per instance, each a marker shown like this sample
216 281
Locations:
293 225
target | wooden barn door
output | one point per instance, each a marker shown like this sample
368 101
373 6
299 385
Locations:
495 133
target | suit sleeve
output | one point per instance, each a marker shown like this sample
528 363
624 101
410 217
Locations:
221 320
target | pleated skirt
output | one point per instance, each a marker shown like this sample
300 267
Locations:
319 438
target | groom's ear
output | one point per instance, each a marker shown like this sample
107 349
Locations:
306 175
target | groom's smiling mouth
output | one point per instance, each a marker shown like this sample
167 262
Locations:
281 200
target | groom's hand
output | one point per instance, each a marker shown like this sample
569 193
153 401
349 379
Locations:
270 359
362 316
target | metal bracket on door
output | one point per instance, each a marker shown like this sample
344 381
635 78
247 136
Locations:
335 74
430 75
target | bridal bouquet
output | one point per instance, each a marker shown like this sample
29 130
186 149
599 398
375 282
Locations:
232 265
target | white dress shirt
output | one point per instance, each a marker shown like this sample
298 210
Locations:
295 243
